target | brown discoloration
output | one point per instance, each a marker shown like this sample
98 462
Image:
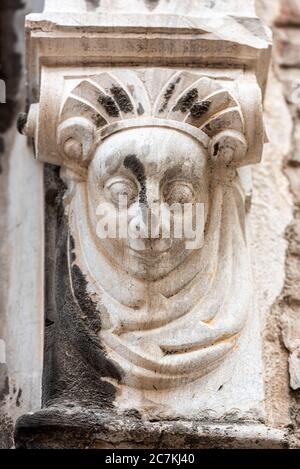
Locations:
168 94
109 105
122 99
137 168
186 102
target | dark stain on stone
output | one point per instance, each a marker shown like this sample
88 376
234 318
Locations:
7 431
151 4
11 62
10 66
137 168
186 102
199 109
109 105
92 317
22 121
48 322
4 391
72 250
75 361
216 149
168 94
140 109
98 120
2 145
92 5
122 99
91 322
18 400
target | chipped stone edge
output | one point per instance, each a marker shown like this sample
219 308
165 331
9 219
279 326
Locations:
59 427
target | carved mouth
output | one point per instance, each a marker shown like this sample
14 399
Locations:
150 256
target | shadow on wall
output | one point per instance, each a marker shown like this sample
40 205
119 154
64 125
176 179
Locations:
12 13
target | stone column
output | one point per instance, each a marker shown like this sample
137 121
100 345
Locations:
139 110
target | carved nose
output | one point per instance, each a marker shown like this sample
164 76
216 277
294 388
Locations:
148 223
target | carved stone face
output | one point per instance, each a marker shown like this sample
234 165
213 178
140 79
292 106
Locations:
149 166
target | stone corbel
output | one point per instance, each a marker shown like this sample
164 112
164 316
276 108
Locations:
155 101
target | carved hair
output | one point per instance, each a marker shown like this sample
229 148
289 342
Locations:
200 107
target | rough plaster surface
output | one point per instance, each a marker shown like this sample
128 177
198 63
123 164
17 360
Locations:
271 214
282 336
290 298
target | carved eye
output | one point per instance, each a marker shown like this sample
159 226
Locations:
178 192
122 192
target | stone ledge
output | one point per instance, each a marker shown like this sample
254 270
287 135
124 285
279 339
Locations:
85 429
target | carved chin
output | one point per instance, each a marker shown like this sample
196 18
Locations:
155 265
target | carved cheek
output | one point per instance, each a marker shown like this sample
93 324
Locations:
95 193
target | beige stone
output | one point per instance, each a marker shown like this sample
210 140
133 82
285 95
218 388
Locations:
289 13
123 115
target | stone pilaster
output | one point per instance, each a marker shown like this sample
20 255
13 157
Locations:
156 102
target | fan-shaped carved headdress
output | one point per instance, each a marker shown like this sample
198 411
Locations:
102 105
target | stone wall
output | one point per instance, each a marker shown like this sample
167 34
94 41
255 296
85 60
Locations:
282 163
287 53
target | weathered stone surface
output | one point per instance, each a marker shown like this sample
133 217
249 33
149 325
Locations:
287 47
289 304
157 326
276 284
289 13
272 211
75 428
143 336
